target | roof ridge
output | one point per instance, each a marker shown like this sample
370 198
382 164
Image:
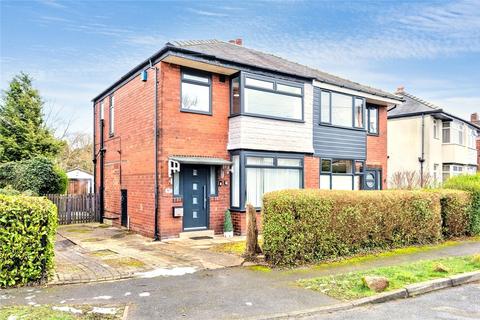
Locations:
424 102
194 42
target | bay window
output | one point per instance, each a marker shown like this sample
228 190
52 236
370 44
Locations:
266 97
453 132
195 88
235 190
255 173
341 174
342 110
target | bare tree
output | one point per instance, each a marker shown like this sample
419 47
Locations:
77 153
411 180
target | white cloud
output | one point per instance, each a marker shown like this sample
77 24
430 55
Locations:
53 4
207 13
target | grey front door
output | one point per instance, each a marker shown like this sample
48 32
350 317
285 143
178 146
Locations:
372 179
195 197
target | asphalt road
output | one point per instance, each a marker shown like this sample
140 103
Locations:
458 303
232 293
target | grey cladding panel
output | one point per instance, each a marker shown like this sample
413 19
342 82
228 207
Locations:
332 142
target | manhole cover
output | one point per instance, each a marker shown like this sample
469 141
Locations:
201 238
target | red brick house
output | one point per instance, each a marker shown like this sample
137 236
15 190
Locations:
205 126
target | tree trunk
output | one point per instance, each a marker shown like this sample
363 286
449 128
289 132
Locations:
252 248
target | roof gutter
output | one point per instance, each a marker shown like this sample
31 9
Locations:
414 114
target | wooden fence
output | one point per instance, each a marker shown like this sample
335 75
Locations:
76 208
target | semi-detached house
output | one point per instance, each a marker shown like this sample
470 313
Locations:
429 141
205 126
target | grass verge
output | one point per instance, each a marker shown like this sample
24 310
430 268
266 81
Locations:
349 286
47 313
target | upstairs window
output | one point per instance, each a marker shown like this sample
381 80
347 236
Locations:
372 116
111 116
446 132
102 111
196 88
236 106
342 110
453 132
267 97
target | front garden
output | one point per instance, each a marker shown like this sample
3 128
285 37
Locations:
309 226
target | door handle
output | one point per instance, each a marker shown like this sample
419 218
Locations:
204 198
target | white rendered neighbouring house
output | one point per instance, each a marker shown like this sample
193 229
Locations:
425 139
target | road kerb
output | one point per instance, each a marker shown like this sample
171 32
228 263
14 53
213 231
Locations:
463 278
424 287
408 291
381 297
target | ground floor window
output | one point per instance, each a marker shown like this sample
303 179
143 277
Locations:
341 174
452 170
255 173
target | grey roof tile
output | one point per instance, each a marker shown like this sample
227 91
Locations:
412 104
242 55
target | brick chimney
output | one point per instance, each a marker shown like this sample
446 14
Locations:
474 118
400 90
238 41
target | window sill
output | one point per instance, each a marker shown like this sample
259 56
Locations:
373 134
341 127
254 115
209 113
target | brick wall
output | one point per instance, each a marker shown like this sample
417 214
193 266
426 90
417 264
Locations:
311 172
184 133
129 157
377 147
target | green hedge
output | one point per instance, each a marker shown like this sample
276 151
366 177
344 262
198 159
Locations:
456 207
470 183
38 175
27 235
302 226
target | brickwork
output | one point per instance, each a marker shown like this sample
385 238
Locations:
377 147
311 172
129 156
190 134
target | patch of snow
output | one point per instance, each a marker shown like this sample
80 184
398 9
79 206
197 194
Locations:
30 297
31 303
5 297
12 317
144 294
102 298
249 304
166 272
63 301
101 310
127 293
67 309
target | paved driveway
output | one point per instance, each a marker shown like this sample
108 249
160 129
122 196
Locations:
95 252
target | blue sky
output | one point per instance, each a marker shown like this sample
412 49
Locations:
75 49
